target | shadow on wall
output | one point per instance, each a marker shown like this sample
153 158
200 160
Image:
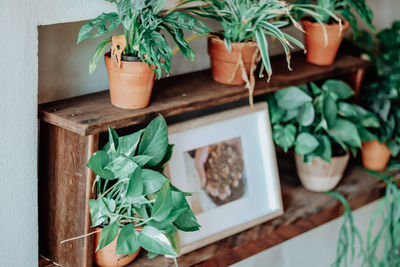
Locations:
63 65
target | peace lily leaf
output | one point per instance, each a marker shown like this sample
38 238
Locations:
97 164
329 110
108 234
163 205
127 241
284 136
306 114
152 181
152 239
135 187
341 89
122 166
346 132
154 141
142 160
291 98
186 221
305 143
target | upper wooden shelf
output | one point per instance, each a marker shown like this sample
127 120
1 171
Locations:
93 113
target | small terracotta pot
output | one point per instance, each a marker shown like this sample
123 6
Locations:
224 63
106 257
317 52
375 156
319 175
130 85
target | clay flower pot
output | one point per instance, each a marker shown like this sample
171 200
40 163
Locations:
375 156
317 52
319 175
106 257
130 85
225 64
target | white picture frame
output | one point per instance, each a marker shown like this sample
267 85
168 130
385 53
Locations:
259 188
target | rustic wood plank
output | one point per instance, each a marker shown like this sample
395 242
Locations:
93 113
304 210
64 192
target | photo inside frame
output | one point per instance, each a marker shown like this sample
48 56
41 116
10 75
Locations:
217 174
227 162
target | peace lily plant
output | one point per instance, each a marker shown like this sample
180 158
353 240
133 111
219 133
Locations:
142 49
321 126
242 43
135 202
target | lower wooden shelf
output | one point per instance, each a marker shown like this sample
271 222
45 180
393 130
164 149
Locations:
303 211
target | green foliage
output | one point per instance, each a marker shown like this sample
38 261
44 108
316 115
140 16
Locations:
142 26
345 8
253 20
313 118
382 93
134 197
387 215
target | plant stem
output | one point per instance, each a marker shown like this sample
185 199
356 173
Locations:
74 238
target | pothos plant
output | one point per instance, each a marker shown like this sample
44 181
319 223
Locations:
143 24
380 248
135 198
253 20
345 8
382 92
315 119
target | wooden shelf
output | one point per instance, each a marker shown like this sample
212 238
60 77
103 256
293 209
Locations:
93 113
303 211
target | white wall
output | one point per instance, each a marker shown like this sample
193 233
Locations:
316 248
18 112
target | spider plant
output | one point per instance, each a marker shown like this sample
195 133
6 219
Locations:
253 20
144 27
345 8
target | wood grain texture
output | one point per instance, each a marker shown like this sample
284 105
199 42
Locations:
64 191
304 210
93 113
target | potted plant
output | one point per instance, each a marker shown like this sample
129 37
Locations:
323 36
236 50
142 51
136 206
322 127
382 95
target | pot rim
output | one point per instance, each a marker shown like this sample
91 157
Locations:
312 24
125 58
219 40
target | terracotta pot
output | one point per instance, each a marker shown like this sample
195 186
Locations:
319 175
317 52
130 85
375 156
224 63
106 257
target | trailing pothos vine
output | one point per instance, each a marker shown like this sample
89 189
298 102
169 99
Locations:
387 215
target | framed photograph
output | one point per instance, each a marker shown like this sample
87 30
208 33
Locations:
227 160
